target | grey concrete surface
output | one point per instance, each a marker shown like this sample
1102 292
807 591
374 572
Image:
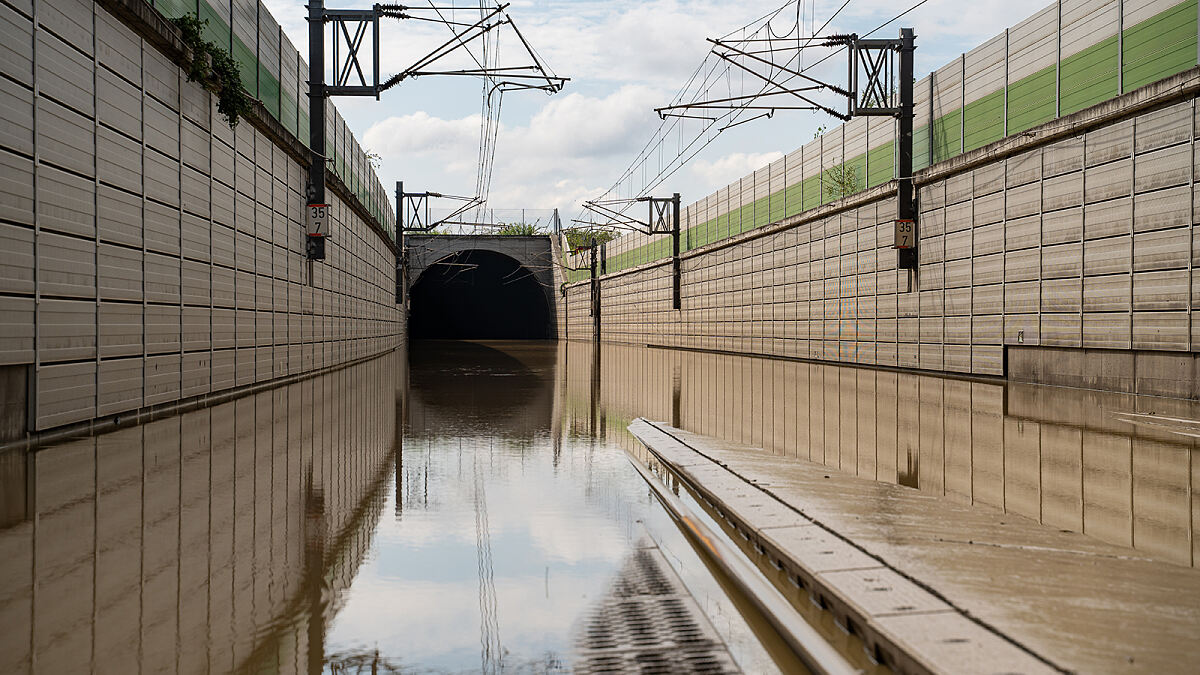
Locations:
955 587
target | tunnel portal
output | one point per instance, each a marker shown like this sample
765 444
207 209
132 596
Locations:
478 294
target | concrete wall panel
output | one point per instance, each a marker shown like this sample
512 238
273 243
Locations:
65 74
1108 218
120 273
1107 293
1162 209
65 393
1163 168
66 138
17 331
1112 180
163 378
66 202
120 385
1108 144
1162 249
120 108
196 376
121 329
1163 127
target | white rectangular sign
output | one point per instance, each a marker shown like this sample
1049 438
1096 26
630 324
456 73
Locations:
318 219
906 234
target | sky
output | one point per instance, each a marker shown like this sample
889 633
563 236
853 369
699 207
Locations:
624 58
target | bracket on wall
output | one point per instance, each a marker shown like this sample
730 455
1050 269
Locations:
663 218
346 49
876 70
351 28
879 83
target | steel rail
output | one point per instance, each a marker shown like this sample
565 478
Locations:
804 641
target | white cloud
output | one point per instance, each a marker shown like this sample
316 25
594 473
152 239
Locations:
574 125
554 160
422 134
624 57
724 170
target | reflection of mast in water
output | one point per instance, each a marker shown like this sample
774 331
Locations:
489 626
677 397
594 391
403 392
412 481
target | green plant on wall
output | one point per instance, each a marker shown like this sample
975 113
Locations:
842 181
225 79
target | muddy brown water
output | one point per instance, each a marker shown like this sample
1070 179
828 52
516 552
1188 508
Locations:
463 507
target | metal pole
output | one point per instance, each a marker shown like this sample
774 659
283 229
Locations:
851 77
595 297
675 272
316 111
400 243
905 207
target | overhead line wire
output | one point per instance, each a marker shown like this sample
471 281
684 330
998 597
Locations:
659 136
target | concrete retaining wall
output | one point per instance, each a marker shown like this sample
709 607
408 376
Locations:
1077 234
149 253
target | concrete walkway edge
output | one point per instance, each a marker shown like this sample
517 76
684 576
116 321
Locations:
905 625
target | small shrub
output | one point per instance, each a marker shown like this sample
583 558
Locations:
232 100
581 237
517 229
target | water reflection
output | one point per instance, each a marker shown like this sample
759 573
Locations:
264 534
1117 467
505 530
201 542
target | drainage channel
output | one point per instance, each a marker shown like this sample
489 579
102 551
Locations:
805 644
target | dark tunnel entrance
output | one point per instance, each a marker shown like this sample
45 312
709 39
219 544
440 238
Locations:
478 295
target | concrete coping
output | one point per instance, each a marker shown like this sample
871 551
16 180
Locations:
893 615
933 585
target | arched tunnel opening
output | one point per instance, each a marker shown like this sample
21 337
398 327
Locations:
479 295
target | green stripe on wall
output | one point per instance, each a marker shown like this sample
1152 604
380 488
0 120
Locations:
810 192
921 147
217 31
288 113
173 9
984 121
268 90
947 136
793 200
1160 46
1031 100
247 64
882 163
1089 77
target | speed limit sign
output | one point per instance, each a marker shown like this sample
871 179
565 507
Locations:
318 219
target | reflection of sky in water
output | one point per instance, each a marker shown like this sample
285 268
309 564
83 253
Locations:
557 536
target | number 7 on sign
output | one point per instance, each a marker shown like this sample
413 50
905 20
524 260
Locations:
318 219
905 234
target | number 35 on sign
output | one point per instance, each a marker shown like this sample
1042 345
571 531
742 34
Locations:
318 219
906 234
